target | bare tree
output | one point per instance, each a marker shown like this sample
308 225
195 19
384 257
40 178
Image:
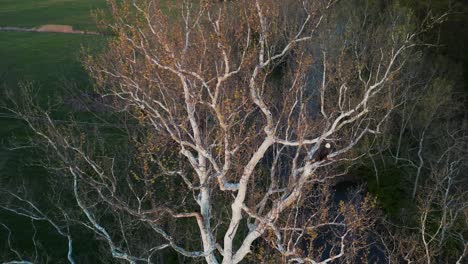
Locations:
437 233
225 107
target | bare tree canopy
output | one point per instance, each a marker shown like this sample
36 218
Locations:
237 118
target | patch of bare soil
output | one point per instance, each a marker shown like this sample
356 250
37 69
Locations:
56 28
50 28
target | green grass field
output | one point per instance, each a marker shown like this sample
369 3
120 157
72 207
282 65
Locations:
46 59
32 13
43 57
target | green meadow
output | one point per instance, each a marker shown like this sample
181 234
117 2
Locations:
32 13
49 61
43 57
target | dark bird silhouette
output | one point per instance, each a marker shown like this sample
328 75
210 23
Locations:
323 152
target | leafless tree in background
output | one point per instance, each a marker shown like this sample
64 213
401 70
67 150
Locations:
439 232
225 108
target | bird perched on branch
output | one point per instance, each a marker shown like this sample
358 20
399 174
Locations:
322 152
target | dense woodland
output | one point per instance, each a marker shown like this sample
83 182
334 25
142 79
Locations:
250 132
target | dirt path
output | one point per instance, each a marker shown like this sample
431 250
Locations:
66 29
